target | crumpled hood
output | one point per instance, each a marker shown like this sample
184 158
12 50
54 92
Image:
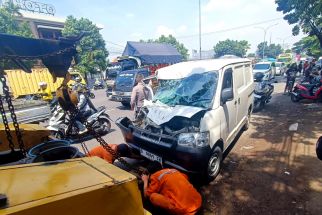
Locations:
161 113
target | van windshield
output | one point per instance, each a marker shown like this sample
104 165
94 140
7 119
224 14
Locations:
195 90
125 79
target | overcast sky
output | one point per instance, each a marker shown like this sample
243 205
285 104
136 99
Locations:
132 20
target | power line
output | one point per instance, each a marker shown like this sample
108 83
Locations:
114 43
230 29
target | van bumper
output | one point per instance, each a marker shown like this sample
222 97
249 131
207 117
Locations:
121 98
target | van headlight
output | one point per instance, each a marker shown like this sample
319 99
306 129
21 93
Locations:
200 139
127 93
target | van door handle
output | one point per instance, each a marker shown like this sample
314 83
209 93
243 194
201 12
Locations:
238 100
235 102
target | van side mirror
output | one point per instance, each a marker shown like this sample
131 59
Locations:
227 95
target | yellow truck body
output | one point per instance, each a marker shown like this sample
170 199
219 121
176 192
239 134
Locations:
84 186
22 83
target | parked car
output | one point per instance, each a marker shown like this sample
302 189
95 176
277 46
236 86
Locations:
198 110
266 68
124 84
280 68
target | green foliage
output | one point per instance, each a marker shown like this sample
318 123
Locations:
305 14
271 51
172 41
251 55
309 46
92 54
231 47
9 23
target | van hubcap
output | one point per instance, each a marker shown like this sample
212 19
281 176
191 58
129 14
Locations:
213 165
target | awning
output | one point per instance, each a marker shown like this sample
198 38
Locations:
56 55
153 53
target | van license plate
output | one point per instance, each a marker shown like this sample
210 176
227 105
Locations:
150 156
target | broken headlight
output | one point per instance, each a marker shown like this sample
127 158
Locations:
200 139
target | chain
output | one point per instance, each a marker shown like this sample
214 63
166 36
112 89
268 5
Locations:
53 54
6 125
13 116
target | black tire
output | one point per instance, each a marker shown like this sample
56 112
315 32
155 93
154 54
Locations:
92 95
104 126
58 135
125 104
213 165
319 148
259 105
294 98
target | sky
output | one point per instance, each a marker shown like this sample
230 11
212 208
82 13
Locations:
132 20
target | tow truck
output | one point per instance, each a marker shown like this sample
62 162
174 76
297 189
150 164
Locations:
83 185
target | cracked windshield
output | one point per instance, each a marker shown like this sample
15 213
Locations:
195 90
159 107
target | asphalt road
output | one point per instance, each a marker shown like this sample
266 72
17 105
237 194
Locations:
114 110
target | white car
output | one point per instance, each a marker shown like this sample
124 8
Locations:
268 68
280 68
198 110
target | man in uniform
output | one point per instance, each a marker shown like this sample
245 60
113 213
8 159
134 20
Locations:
139 93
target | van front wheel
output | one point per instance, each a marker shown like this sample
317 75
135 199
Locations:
213 165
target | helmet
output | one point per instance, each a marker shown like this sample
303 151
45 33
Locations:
258 77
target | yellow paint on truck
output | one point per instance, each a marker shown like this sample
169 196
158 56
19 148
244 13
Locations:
84 186
22 83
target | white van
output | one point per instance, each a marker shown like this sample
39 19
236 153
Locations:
197 111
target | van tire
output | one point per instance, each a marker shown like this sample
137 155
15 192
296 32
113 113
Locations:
213 165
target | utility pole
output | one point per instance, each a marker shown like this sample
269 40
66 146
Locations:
199 30
265 31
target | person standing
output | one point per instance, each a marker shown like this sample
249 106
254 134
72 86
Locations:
139 94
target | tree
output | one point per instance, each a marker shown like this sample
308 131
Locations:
91 51
305 14
251 55
308 45
9 23
271 51
231 47
172 41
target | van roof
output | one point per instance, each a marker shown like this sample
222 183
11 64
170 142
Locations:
185 69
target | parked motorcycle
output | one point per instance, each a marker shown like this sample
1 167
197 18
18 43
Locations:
89 93
98 85
62 128
312 91
263 91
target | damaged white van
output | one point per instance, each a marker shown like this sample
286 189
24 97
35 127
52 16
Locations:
197 111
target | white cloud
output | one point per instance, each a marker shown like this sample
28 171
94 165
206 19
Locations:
136 35
182 29
164 30
214 5
129 15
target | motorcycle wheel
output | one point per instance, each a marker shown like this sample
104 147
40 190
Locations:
294 98
92 95
104 126
258 105
58 135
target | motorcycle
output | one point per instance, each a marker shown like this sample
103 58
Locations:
263 91
312 91
89 93
98 85
61 127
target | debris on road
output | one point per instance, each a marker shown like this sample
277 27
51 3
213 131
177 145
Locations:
293 127
247 147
